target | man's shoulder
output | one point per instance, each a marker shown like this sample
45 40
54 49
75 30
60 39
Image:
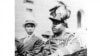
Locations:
35 37
66 35
23 38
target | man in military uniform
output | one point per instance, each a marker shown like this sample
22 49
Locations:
66 41
26 46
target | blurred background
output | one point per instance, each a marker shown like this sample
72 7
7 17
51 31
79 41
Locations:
40 15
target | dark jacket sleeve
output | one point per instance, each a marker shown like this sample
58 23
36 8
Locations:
32 43
19 47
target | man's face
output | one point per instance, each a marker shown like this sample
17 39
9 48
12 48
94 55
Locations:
29 29
57 28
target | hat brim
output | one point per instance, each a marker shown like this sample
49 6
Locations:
34 24
55 21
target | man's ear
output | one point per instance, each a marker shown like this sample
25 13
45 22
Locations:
65 25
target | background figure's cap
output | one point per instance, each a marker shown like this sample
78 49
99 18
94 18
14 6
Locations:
32 22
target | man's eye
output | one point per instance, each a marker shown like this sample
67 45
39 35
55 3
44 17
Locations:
28 26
